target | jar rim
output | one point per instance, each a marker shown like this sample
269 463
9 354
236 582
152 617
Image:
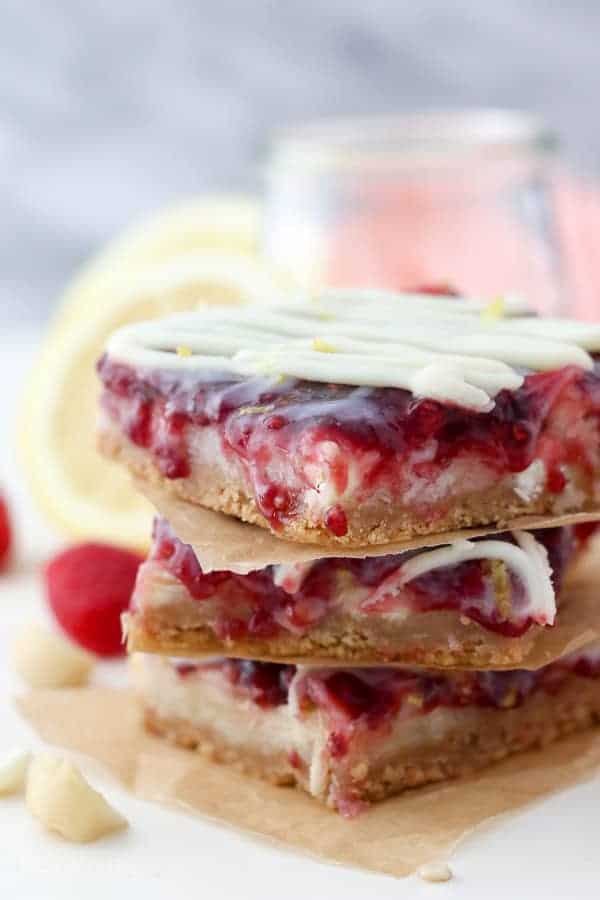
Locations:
426 138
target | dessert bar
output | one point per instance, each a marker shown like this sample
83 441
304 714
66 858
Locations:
360 418
349 736
472 603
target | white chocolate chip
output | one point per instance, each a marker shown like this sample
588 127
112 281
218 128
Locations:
63 801
435 872
44 659
13 772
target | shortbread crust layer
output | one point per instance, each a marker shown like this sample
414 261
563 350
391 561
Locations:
468 605
367 738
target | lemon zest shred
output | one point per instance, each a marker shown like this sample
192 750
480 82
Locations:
510 699
183 351
322 346
414 700
324 316
494 310
253 410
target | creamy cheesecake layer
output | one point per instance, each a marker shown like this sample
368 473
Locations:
350 735
466 493
476 603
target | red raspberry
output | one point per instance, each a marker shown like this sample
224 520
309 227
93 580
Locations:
5 536
88 587
336 521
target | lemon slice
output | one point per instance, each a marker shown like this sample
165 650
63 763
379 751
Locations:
222 223
84 495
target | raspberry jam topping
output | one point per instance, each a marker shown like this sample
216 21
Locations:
259 605
336 522
371 696
290 435
266 684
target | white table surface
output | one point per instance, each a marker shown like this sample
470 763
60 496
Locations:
548 851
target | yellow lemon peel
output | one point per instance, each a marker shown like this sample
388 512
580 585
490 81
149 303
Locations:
414 700
322 346
494 310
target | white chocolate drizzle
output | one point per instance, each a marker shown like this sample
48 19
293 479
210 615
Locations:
527 559
443 348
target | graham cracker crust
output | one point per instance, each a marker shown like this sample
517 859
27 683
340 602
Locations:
370 523
342 642
275 768
489 736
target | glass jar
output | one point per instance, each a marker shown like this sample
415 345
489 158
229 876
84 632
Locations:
457 199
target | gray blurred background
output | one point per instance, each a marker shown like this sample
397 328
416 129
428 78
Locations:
108 109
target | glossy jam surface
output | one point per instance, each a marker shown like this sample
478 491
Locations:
369 696
266 684
382 438
254 605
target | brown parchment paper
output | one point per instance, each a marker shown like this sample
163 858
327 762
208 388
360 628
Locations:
224 542
394 837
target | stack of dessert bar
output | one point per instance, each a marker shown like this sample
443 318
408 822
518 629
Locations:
368 507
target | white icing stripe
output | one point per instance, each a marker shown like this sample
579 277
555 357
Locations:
513 305
352 305
528 561
486 373
486 354
529 347
440 381
436 347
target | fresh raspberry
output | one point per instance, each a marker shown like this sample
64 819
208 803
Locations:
5 536
88 587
